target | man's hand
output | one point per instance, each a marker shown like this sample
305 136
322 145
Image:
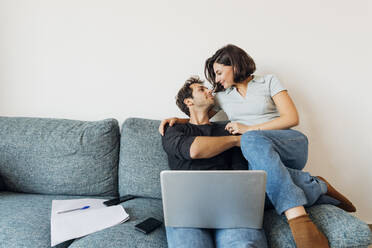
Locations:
236 128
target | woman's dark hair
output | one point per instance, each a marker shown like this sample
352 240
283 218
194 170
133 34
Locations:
186 92
243 65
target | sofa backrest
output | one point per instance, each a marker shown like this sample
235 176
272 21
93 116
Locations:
58 156
142 158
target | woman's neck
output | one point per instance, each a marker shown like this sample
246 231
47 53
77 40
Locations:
242 87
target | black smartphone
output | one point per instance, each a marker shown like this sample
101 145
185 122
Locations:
118 200
148 225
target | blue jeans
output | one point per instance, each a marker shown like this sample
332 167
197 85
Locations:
283 154
179 237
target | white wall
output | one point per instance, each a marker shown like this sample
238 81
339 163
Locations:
90 60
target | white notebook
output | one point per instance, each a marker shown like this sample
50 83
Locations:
75 224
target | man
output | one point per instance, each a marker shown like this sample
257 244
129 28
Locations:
202 145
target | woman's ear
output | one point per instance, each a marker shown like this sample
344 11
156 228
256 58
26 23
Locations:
234 70
188 101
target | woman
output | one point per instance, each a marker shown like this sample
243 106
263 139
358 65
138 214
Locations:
261 110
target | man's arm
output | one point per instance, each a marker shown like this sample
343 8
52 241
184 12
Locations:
207 147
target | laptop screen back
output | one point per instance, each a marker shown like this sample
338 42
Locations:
213 199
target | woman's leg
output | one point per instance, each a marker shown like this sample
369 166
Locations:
312 186
316 191
291 146
274 151
266 150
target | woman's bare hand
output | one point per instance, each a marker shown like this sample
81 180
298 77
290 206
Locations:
236 128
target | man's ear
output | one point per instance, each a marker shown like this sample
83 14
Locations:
188 101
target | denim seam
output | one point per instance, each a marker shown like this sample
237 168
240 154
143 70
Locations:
290 139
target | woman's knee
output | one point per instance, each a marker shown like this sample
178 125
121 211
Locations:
253 138
253 142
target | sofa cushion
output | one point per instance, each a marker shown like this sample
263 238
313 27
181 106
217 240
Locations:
25 220
57 156
125 235
142 158
342 229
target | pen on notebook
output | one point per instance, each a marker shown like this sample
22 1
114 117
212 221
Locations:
75 209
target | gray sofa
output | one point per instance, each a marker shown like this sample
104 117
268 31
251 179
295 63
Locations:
46 159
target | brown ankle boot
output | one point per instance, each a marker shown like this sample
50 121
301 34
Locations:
345 204
306 234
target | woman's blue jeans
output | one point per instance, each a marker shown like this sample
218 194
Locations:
282 154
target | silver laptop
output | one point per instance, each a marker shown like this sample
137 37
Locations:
213 199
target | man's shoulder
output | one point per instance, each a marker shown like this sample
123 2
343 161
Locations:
176 128
213 129
219 128
219 124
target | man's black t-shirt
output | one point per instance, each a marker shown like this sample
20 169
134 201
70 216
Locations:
177 141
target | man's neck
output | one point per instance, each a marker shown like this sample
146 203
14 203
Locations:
199 118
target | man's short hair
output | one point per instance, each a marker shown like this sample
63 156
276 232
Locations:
186 92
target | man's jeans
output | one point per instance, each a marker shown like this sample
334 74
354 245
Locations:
179 237
282 154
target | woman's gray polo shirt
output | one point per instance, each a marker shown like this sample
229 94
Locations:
257 106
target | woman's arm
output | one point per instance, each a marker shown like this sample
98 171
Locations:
288 114
287 110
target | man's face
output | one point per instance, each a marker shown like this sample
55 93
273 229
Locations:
202 96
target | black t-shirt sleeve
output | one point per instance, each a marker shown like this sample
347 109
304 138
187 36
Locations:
176 143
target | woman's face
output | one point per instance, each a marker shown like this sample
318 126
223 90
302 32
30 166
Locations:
224 75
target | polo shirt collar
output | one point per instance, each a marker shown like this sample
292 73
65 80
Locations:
256 79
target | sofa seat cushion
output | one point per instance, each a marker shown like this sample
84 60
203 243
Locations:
25 219
341 228
25 222
125 235
58 156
